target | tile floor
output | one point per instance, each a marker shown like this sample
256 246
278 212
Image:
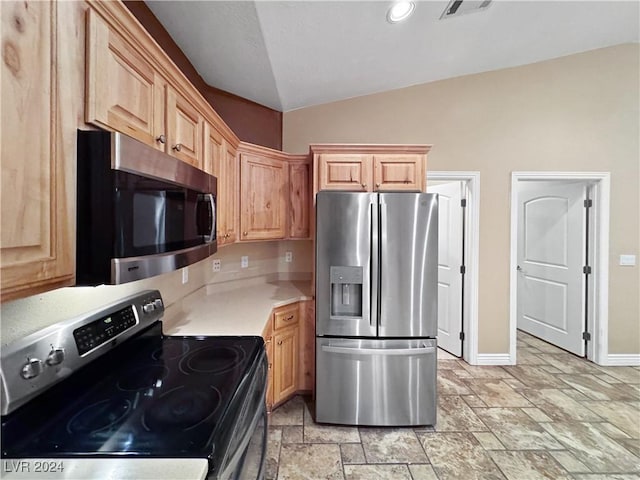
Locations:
553 416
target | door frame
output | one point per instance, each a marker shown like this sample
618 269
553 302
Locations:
598 283
471 247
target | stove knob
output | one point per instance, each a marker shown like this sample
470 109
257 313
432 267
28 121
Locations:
148 307
31 369
56 356
158 303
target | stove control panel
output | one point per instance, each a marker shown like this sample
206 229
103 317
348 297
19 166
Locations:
34 363
100 331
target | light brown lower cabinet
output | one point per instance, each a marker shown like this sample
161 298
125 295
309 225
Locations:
286 339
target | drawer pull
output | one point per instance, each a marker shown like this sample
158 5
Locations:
280 342
290 317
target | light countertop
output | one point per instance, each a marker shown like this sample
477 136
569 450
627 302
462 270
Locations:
241 307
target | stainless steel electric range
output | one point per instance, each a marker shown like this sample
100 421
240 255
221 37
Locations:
110 385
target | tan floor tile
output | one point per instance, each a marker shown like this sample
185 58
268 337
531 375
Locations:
292 434
624 374
473 401
624 415
610 431
290 413
516 430
422 472
496 393
534 377
377 472
450 384
529 465
444 355
569 363
456 456
593 448
454 415
315 433
558 406
352 453
597 476
274 442
631 444
449 364
596 389
607 378
570 463
384 445
485 371
312 462
488 441
537 415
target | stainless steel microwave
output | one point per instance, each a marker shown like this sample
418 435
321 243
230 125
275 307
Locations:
140 212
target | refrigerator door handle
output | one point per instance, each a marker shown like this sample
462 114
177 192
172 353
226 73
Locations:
379 351
382 212
374 265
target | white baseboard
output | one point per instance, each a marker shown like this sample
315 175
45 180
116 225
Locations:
493 359
623 360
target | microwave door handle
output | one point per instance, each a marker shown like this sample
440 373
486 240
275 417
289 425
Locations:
212 233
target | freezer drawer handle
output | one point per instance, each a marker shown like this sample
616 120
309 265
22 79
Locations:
379 351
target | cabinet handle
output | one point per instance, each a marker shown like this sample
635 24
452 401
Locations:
280 342
244 233
377 185
364 185
226 235
177 147
161 139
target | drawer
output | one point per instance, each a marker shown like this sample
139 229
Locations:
286 316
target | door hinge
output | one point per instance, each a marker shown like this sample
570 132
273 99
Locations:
586 270
461 336
463 269
586 336
463 202
588 203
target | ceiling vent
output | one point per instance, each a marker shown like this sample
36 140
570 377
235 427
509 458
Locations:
455 8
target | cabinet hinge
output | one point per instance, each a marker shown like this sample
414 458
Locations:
588 203
463 202
586 336
461 336
463 269
586 270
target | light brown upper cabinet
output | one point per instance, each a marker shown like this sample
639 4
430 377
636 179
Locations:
221 161
122 87
369 168
264 180
38 124
127 94
299 196
184 129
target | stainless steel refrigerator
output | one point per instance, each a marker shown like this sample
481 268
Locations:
376 308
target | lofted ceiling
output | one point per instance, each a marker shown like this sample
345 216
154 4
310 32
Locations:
293 54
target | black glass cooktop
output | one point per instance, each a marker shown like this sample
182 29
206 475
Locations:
153 396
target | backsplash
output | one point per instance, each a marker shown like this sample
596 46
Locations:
28 315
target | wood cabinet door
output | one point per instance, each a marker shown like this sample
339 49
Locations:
351 172
286 363
399 172
213 163
230 196
300 200
38 154
263 200
120 84
184 129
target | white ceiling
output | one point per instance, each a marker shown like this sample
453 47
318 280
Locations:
293 54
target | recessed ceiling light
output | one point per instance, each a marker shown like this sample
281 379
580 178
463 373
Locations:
400 10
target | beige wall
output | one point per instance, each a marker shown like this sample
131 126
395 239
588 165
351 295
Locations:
576 113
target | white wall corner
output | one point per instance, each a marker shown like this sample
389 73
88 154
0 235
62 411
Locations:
494 359
623 360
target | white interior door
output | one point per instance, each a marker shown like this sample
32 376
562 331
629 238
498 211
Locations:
450 248
551 255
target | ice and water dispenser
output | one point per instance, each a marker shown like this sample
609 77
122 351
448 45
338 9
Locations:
346 292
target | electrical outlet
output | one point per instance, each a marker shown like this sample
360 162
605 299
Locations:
244 261
288 257
185 275
216 265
